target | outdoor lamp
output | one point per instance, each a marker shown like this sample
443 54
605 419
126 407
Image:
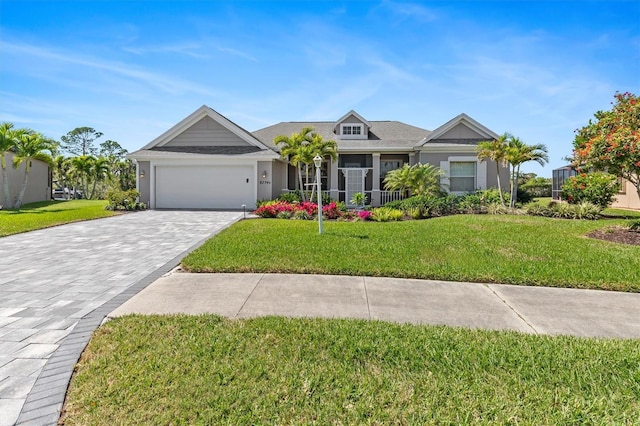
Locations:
142 174
264 174
317 160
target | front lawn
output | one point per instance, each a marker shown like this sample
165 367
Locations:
523 250
50 213
185 370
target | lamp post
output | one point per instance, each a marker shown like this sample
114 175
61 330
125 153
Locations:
317 160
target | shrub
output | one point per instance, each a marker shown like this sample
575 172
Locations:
634 225
587 211
539 210
301 215
386 214
284 214
364 215
332 210
124 200
290 197
598 188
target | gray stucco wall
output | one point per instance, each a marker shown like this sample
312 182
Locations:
38 184
265 185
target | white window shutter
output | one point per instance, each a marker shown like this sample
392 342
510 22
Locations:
444 179
481 175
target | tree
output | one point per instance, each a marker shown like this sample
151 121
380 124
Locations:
419 179
518 153
81 171
100 171
292 150
323 148
80 140
495 150
61 166
30 146
611 143
399 180
112 150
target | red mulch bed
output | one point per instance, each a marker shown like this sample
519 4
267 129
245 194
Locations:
617 235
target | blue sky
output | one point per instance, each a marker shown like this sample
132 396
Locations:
537 69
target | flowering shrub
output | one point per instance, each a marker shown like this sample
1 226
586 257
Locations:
364 215
597 188
331 210
307 210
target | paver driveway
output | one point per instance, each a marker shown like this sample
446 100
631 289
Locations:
57 284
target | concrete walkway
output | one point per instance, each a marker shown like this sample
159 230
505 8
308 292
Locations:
541 310
57 285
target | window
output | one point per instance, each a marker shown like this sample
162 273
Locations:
351 129
622 185
462 176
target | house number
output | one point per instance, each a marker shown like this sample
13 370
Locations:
265 182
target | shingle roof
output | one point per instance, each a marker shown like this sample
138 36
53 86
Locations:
190 151
382 134
224 150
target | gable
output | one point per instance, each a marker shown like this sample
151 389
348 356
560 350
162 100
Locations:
461 131
205 127
352 119
206 132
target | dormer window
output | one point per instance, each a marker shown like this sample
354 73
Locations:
352 130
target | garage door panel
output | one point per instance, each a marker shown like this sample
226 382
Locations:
204 187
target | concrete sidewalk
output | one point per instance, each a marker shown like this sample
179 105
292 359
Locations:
540 310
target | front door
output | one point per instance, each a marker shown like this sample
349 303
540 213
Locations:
354 183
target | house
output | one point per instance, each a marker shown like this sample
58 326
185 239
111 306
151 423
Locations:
207 161
626 198
38 184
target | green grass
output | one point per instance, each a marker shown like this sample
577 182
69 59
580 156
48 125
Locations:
479 248
621 213
50 213
206 370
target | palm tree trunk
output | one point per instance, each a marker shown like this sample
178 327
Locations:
514 189
27 168
299 168
499 186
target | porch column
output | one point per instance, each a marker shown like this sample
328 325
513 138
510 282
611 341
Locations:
375 189
284 175
412 158
333 179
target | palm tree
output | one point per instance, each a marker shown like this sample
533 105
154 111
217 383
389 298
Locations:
100 170
323 148
292 150
30 146
7 142
425 179
61 167
495 150
81 171
419 179
399 180
518 153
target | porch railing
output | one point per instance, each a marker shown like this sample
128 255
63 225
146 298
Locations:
387 196
307 194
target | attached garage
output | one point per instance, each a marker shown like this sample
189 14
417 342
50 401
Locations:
204 162
204 187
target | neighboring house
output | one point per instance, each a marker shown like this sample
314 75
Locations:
38 185
627 197
558 177
207 161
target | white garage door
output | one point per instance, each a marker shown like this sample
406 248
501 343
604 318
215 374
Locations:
205 187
